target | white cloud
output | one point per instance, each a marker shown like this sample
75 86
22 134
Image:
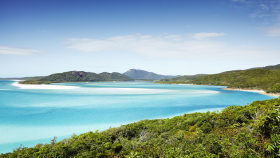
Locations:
241 1
273 30
259 14
164 46
203 35
264 7
16 51
171 46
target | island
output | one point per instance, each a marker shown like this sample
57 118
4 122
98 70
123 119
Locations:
78 76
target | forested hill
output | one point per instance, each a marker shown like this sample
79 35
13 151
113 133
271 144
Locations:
237 131
181 79
142 74
79 76
225 78
265 79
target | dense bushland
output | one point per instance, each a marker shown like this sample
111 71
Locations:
79 76
237 131
265 79
181 79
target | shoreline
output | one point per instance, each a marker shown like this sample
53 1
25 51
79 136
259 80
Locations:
252 90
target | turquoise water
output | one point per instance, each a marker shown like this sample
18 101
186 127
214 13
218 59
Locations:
32 116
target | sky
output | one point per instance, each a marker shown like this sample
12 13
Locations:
169 37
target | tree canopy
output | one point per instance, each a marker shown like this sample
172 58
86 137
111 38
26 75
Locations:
79 76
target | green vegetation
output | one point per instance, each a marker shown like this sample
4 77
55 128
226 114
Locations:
237 131
265 79
78 76
181 80
272 67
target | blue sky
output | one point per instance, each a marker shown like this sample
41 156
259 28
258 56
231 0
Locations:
171 37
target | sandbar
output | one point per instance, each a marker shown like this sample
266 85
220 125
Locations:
30 86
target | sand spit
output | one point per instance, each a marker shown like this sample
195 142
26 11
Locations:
257 91
247 90
30 86
272 94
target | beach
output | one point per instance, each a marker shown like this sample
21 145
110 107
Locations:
271 94
251 90
30 86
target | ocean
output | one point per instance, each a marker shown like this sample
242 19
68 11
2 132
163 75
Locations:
35 114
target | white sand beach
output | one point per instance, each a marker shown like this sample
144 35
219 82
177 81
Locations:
272 94
30 86
247 90
257 91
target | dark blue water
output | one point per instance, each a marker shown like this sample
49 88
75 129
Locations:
32 116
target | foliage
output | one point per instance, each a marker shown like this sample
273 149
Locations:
80 76
274 89
181 80
273 67
237 131
265 79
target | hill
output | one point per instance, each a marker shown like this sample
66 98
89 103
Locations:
237 131
142 74
79 76
265 79
181 79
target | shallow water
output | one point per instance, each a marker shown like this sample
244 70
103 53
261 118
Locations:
32 116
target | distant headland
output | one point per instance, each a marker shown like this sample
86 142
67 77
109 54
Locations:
78 76
266 79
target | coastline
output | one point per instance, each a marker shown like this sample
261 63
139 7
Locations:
251 90
30 86
271 94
